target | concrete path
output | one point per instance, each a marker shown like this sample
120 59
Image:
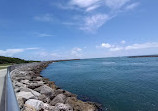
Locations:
3 72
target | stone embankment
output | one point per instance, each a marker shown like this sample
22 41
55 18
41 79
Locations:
35 93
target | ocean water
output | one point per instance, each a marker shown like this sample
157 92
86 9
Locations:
119 84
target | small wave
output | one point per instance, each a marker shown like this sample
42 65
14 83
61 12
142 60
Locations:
107 63
137 63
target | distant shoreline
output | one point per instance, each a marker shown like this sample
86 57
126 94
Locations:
143 56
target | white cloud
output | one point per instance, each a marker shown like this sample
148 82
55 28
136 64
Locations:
95 20
115 4
77 52
11 52
132 6
89 18
142 46
91 8
123 42
44 18
92 23
83 3
130 47
106 45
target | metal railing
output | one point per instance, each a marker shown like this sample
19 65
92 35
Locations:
9 101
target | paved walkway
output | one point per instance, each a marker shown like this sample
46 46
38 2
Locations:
3 72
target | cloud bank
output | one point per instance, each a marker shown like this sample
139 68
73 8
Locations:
95 13
128 47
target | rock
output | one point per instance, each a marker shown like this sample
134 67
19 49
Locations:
15 83
35 85
44 98
59 91
25 95
21 78
48 107
68 94
79 105
60 98
52 84
35 93
25 81
62 107
14 73
25 89
28 108
37 79
46 90
21 102
35 104
17 89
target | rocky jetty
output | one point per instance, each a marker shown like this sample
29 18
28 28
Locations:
35 93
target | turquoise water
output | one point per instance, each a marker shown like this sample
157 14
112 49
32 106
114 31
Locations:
119 84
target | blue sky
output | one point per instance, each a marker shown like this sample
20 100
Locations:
63 29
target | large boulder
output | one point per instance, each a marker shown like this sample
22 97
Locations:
35 93
38 105
46 90
62 107
60 98
25 95
34 104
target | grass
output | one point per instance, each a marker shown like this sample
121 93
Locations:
4 66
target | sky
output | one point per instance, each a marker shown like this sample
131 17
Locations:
68 29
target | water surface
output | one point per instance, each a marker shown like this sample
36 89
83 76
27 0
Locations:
119 84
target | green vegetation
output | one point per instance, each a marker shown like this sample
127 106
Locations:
4 66
5 61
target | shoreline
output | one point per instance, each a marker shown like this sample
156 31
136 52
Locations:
34 92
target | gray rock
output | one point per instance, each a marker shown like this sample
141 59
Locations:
62 107
25 95
46 90
79 105
35 104
35 85
21 102
59 91
48 107
44 98
15 83
60 98
17 89
68 94
25 81
21 78
35 93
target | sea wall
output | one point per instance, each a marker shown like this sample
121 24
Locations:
35 93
